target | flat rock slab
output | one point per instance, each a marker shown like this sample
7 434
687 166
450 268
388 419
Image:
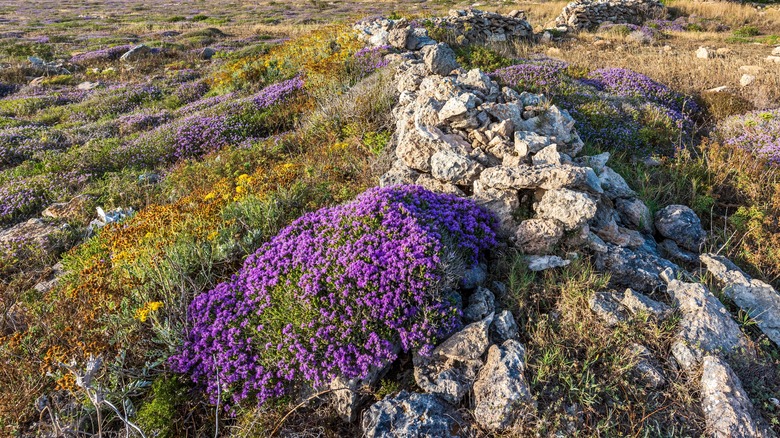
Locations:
727 408
616 307
706 327
571 208
548 177
411 415
34 231
638 269
542 263
760 300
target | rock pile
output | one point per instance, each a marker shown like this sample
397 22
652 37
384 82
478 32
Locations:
589 14
460 132
467 26
473 25
50 67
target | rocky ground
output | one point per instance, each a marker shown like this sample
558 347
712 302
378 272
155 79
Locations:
459 132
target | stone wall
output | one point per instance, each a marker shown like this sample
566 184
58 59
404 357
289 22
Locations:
467 26
473 25
589 14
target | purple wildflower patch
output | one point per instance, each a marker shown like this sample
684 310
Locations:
189 92
22 197
337 292
370 59
143 120
22 142
756 131
627 83
278 92
532 75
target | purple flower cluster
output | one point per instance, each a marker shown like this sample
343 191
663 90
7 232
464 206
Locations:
369 59
22 142
680 24
202 104
627 111
7 89
628 83
102 55
187 137
16 250
685 24
199 135
114 100
22 197
143 120
532 75
757 131
337 292
278 92
189 92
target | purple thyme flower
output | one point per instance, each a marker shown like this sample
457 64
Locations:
532 75
337 292
277 93
756 131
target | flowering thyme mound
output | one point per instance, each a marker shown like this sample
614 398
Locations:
338 291
278 93
624 82
534 75
757 131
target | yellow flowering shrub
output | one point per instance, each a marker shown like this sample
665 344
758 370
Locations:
320 56
143 313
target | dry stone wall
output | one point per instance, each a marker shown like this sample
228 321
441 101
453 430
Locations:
518 155
588 14
467 26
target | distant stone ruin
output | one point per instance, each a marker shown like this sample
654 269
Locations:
468 26
473 25
589 14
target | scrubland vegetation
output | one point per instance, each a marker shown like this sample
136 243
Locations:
227 163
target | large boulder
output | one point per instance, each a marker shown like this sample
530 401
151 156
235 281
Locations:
728 411
450 370
616 307
572 209
614 185
501 202
501 393
758 299
633 212
680 223
638 268
450 167
544 177
439 59
136 53
73 209
410 415
705 327
538 236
